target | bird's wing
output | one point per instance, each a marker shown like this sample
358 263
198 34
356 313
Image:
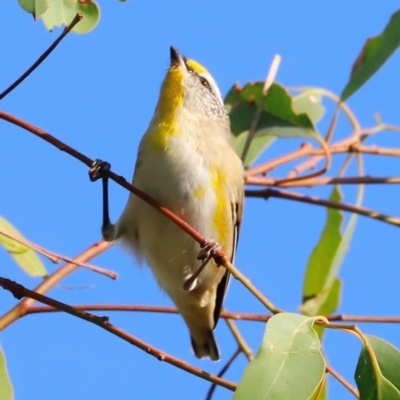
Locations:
237 210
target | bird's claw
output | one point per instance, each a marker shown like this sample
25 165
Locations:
98 169
209 248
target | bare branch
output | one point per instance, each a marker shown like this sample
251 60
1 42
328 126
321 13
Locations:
20 309
343 381
243 346
20 291
238 316
267 193
222 259
56 258
349 145
311 182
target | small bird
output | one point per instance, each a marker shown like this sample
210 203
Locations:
187 164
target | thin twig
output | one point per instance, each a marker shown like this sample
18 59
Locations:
238 316
222 372
20 309
293 175
350 144
267 193
343 381
222 259
56 258
311 182
20 291
270 165
66 30
243 346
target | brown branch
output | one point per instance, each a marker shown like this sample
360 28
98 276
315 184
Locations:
293 175
243 346
222 372
363 318
268 166
310 182
267 193
224 261
56 258
64 33
343 381
352 142
238 316
20 309
20 291
347 145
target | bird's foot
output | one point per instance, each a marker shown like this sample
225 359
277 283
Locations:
209 248
98 169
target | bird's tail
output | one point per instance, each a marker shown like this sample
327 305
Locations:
207 347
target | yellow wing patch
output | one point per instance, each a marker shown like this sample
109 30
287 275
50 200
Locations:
221 218
195 66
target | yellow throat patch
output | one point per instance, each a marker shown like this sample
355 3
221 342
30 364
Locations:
171 97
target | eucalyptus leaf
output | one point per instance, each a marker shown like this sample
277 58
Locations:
321 291
25 257
310 103
382 381
34 7
277 118
373 55
62 12
6 389
316 285
278 371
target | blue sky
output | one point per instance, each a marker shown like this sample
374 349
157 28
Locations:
97 92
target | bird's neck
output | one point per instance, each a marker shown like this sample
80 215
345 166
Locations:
164 123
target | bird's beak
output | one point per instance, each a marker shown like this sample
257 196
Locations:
177 60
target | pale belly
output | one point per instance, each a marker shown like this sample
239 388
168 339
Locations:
186 189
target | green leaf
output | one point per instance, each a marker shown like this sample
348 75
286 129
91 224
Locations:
321 291
34 7
277 118
6 390
62 12
310 103
289 363
382 381
373 55
317 285
25 257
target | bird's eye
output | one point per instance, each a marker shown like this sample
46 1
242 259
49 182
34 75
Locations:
204 82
